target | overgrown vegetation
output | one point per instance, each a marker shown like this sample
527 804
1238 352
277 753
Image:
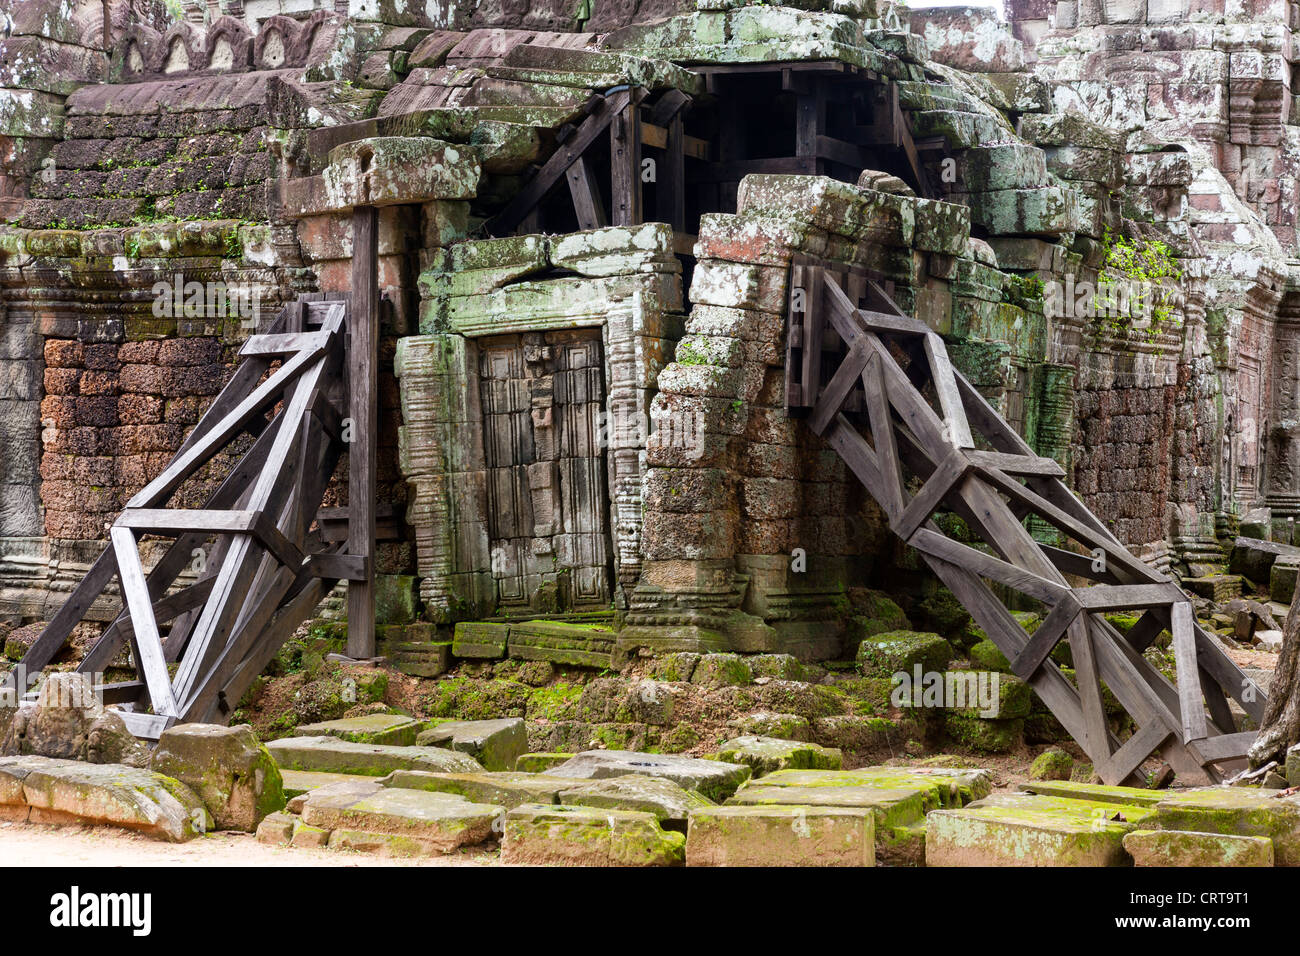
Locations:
1137 291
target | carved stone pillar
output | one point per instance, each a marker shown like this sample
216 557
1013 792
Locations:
1282 480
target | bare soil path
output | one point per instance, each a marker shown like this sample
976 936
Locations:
31 845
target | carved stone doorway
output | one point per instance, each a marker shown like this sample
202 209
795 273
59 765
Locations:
548 505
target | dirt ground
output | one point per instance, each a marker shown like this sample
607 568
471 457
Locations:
32 845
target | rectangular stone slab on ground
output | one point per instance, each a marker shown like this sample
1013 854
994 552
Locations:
496 744
395 730
893 807
781 836
714 779
331 755
668 801
69 791
441 820
1241 811
585 836
768 754
951 788
504 788
298 782
1188 848
1023 830
1097 792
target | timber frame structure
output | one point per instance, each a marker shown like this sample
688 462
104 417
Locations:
264 565
888 363
844 119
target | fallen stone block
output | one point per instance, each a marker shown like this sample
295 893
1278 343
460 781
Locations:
983 736
232 773
670 803
1241 811
1188 848
443 821
900 651
1022 830
587 836
331 755
69 791
346 784
394 730
1096 792
539 762
712 778
496 744
948 787
503 789
298 782
276 828
781 836
767 754
306 835
394 845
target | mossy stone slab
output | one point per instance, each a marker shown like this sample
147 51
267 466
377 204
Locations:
396 730
1096 792
712 778
1023 830
443 820
670 803
503 789
545 835
331 755
768 754
781 836
1188 848
1240 811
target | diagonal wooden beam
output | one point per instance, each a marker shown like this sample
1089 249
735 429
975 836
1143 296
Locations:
1191 708
1046 636
594 126
152 664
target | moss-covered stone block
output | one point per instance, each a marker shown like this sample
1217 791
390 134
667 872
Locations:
539 762
1240 811
480 639
722 670
984 736
986 656
900 651
781 836
768 724
1051 764
1187 848
767 754
588 836
677 666
496 744
331 755
396 599
397 730
1020 830
233 774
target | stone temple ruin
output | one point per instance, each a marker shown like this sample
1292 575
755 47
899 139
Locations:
701 341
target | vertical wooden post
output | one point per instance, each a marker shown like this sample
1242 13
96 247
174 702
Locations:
625 158
363 409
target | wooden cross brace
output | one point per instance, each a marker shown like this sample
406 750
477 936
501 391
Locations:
993 489
268 568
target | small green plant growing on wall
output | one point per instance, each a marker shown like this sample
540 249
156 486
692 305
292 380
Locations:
1137 282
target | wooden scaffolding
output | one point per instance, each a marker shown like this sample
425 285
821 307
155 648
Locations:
259 560
933 443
